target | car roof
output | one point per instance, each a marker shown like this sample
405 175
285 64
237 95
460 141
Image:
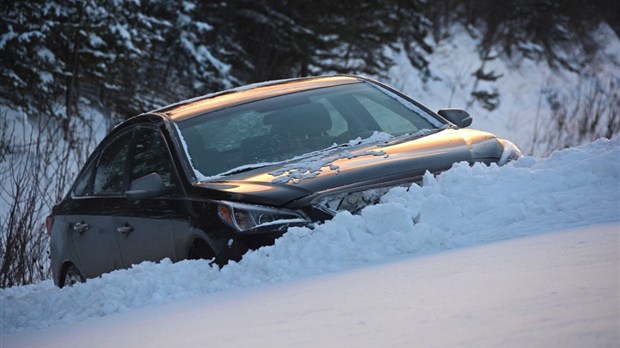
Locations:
211 102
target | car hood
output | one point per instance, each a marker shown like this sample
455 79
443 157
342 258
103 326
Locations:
354 167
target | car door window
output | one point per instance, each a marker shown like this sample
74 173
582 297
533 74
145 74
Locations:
109 175
82 186
151 156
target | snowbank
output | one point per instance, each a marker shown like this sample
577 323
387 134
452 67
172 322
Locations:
553 290
462 207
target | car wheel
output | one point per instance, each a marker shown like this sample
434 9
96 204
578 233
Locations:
200 250
72 276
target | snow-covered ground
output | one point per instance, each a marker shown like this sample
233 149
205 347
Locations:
382 276
554 290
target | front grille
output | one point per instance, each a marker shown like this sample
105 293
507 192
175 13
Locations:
354 201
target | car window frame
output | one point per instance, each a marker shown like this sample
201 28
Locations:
109 143
90 167
166 129
86 173
174 173
185 167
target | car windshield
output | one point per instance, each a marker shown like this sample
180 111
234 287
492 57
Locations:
290 125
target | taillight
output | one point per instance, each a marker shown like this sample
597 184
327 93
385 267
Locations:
49 223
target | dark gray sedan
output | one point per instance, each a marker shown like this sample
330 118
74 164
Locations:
216 176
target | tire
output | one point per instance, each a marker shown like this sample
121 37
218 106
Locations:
200 250
72 276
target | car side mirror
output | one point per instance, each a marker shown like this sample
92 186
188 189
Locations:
148 186
459 117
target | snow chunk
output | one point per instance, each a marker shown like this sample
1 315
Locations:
46 54
311 167
46 77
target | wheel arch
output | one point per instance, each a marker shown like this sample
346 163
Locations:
199 246
63 272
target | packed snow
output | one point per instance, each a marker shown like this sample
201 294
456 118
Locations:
462 207
552 290
307 168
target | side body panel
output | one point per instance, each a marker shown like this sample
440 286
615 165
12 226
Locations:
144 229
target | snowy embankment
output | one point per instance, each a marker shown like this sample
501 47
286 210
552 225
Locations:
552 290
464 206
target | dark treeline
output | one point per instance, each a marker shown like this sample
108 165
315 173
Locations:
126 57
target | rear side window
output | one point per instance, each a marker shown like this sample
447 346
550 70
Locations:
151 156
82 185
109 175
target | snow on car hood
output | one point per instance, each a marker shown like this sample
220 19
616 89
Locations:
389 160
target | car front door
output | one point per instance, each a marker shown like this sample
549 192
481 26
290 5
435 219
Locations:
145 225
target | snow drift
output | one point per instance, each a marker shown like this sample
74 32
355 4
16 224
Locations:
462 207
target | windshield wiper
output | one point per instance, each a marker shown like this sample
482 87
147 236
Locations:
248 167
329 150
417 135
245 168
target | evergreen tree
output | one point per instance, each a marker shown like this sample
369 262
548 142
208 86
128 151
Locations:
561 32
282 39
117 56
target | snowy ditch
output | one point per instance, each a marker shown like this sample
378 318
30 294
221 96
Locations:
462 207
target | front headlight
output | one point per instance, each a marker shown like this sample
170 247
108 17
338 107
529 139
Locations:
510 153
246 217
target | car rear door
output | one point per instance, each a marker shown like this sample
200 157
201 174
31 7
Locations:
94 206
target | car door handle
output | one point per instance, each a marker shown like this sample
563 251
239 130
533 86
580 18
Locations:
80 227
125 229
